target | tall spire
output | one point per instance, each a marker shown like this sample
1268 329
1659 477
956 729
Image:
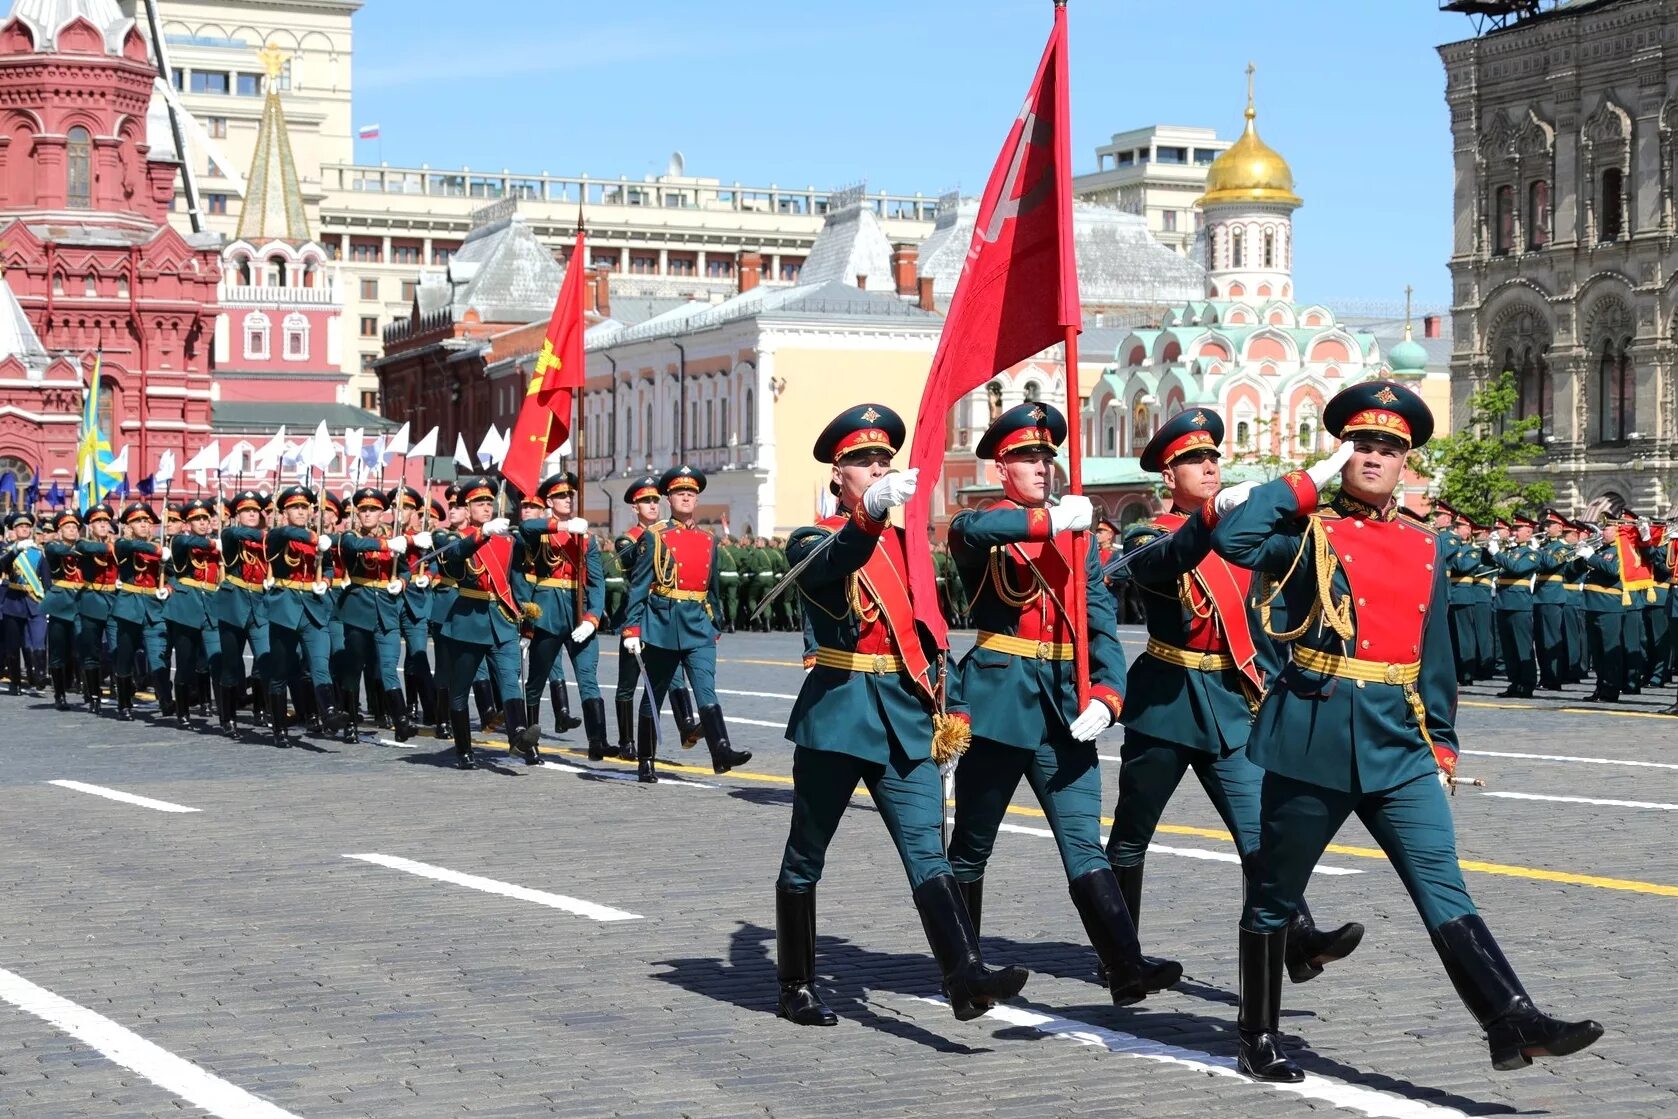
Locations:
273 197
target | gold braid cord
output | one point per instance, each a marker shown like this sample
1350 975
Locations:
950 738
1337 616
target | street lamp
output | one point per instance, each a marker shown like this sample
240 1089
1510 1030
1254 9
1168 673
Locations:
682 409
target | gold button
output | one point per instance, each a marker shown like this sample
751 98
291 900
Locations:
1422 606
1348 557
1043 650
1361 602
1208 661
1366 644
1360 683
882 664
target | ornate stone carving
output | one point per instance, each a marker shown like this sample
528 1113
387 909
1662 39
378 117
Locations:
1610 124
1608 321
1498 141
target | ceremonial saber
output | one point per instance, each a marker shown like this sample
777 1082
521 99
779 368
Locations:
651 700
1119 563
1473 782
791 576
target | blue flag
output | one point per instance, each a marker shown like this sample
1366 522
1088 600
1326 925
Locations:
146 486
55 496
8 485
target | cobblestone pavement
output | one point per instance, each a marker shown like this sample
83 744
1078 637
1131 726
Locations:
234 961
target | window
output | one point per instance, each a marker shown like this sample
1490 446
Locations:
215 203
1504 241
710 424
370 399
177 77
440 255
217 127
1613 214
367 361
250 85
90 286
719 269
1171 155
409 289
1168 221
1270 250
367 252
683 266
643 265
296 337
242 266
369 326
370 289
751 418
405 254
206 81
256 337
275 274
1538 214
1235 258
79 168
1616 396
647 433
1033 392
1307 435
1534 396
1243 433
790 270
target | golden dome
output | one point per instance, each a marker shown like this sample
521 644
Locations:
1251 170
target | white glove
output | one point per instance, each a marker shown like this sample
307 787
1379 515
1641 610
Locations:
422 541
1644 531
890 492
576 526
1074 511
582 633
1096 718
215 543
496 527
1444 779
29 545
397 545
1584 551
632 646
323 542
1228 499
1493 547
1533 543
1329 469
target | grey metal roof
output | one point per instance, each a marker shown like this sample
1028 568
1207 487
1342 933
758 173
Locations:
1389 332
822 302
17 336
850 244
46 18
246 417
633 309
501 271
1119 262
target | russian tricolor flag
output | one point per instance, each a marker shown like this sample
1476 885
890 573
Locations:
368 132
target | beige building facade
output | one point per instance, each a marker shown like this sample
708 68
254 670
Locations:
1157 173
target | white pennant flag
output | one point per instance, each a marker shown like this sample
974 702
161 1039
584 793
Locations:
268 456
320 450
488 448
165 469
119 462
397 444
233 463
207 458
425 447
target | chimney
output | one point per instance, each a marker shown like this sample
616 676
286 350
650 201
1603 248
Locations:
904 261
591 295
750 269
1430 326
926 303
862 281
603 290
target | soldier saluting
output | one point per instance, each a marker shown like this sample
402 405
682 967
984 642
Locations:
866 713
1361 720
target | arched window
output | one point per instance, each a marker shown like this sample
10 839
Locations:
1141 427
1270 250
1538 214
1033 392
1613 214
256 337
78 158
676 433
710 422
1307 434
1505 236
1110 435
647 433
1243 433
296 337
1235 260
276 272
1616 395
725 436
244 267
1532 383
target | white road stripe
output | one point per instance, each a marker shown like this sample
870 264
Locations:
1583 800
1161 849
621 775
124 1047
581 908
1569 758
126 798
1377 1105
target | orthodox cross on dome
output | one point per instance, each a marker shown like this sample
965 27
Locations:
1251 110
274 59
1409 289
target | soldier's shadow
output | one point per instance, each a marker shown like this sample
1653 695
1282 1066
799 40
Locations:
1069 960
445 759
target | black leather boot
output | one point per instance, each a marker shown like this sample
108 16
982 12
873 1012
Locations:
1516 1030
559 695
402 728
1130 888
488 717
256 693
330 717
378 711
14 673
973 900
422 697
1130 977
1262 1055
646 745
183 700
227 709
688 723
460 722
522 737
626 728
165 693
440 711
125 698
202 694
594 727
350 709
38 669
91 689
1309 948
61 688
724 756
277 717
795 958
972 988
305 707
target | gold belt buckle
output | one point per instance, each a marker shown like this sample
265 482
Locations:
1043 650
881 664
1208 661
1392 674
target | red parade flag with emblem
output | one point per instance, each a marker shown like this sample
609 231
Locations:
1017 295
544 420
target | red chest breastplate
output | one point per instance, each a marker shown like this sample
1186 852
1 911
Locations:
559 551
687 559
1389 567
101 570
374 565
148 568
206 565
299 562
252 563
1014 575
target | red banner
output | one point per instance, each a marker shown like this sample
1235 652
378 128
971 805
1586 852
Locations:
544 419
1017 296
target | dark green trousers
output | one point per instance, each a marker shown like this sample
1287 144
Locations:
1067 780
1657 639
1150 770
908 794
1604 630
1514 631
1412 823
1550 642
469 661
1631 637
379 648
1465 639
1485 628
1573 626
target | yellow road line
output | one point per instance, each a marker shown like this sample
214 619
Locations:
1563 710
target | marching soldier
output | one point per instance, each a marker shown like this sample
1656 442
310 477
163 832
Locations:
99 569
1485 607
1606 607
371 607
1022 690
62 602
23 623
643 496
1549 601
241 610
1573 612
194 578
1193 691
414 615
617 588
1517 563
673 611
483 623
444 592
1361 721
870 711
300 614
138 608
1462 561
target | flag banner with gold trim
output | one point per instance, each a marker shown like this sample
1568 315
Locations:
544 419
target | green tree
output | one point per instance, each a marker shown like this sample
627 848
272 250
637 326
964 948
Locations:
1472 466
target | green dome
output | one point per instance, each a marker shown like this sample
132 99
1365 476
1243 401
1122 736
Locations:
1408 356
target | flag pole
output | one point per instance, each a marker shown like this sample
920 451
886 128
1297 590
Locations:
1074 406
580 443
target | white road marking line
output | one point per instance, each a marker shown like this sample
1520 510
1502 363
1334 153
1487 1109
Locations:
1583 800
121 1046
1161 849
1377 1105
1568 758
126 798
577 906
621 775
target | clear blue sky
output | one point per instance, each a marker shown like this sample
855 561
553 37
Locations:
917 95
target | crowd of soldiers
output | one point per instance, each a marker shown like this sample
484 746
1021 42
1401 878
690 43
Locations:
1545 601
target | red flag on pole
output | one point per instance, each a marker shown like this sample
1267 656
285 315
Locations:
544 419
1017 296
